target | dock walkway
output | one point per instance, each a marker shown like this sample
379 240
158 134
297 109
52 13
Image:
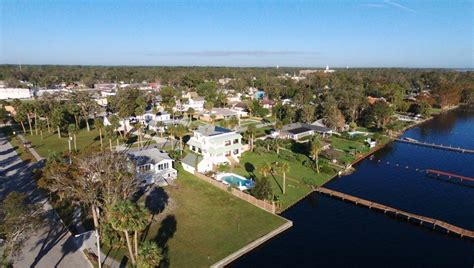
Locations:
409 216
437 146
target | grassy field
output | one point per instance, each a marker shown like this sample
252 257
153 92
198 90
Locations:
295 186
434 111
203 224
348 145
51 143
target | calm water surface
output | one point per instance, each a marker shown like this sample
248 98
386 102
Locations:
330 232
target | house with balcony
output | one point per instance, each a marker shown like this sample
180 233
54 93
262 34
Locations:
153 166
211 146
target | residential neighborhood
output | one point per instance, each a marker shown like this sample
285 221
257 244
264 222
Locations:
236 134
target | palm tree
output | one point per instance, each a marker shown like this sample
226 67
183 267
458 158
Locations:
284 168
265 168
250 133
99 124
110 134
115 122
316 147
233 122
41 127
213 118
149 255
121 218
179 132
138 127
140 221
190 113
72 130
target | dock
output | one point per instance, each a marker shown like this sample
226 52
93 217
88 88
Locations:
437 146
447 174
422 220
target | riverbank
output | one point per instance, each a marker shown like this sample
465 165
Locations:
395 177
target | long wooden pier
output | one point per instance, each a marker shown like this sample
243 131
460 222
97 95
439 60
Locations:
447 174
434 223
437 146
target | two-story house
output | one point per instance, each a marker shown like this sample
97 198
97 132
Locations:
193 100
153 166
211 146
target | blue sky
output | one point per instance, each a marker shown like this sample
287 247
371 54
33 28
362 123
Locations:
340 33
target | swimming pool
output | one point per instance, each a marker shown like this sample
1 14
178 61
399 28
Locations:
236 180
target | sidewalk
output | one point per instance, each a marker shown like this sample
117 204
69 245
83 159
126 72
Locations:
31 149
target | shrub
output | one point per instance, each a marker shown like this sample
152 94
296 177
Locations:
262 189
327 169
288 156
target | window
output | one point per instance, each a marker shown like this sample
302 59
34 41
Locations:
193 148
144 168
236 141
236 151
199 150
227 153
227 143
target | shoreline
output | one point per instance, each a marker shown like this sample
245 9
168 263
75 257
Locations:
259 242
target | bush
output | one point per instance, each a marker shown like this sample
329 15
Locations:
301 157
327 169
288 156
262 189
260 150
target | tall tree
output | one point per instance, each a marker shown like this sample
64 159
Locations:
99 124
316 147
284 168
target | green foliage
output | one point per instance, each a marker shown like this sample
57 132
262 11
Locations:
262 189
149 255
18 219
286 155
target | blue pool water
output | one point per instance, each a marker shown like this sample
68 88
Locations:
237 181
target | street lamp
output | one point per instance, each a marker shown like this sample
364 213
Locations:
69 143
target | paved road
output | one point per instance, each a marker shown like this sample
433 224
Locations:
51 245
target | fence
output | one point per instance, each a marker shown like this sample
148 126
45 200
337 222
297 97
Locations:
270 207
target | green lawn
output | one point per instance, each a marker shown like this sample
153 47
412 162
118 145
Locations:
295 186
348 145
51 143
434 111
205 224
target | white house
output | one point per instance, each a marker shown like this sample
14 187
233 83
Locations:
211 146
193 101
15 93
296 131
153 166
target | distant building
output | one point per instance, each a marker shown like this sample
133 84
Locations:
193 101
267 103
15 93
223 114
327 70
297 131
211 146
259 94
105 86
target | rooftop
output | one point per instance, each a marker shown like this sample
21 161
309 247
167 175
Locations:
192 159
151 156
212 130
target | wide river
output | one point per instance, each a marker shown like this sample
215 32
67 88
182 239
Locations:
328 232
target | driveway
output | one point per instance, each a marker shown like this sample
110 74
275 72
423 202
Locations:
51 245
